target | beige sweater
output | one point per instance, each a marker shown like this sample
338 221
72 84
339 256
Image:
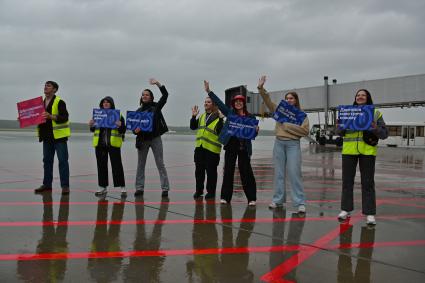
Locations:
285 131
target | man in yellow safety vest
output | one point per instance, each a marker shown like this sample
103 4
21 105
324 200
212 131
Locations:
54 134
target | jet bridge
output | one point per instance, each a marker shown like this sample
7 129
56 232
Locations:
406 91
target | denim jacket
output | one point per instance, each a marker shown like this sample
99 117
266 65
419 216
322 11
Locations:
224 135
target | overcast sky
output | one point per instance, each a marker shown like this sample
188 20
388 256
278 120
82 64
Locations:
95 48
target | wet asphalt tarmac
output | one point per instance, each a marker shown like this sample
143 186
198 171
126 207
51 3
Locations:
82 238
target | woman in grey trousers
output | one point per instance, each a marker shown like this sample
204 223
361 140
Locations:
146 140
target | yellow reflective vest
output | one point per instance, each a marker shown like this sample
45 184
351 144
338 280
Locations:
206 136
353 141
115 138
61 130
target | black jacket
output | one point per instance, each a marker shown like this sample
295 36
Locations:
159 124
105 133
46 129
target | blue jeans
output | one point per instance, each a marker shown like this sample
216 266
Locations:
287 157
49 149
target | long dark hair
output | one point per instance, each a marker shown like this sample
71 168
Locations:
297 100
244 109
369 100
150 93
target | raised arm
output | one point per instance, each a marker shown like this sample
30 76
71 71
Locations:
272 106
164 92
221 106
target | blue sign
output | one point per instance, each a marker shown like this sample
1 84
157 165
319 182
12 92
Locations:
141 120
242 127
106 118
355 117
287 113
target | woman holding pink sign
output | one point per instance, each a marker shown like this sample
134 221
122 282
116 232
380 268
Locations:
361 147
287 152
235 148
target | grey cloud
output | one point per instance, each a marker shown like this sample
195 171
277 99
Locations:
94 48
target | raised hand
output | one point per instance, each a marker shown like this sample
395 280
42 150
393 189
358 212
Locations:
195 110
207 86
261 82
153 81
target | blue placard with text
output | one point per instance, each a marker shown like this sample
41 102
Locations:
242 127
141 120
287 113
355 117
106 118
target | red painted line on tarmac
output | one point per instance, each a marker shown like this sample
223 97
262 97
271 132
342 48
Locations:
277 274
156 253
194 221
148 253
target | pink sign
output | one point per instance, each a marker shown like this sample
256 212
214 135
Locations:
30 112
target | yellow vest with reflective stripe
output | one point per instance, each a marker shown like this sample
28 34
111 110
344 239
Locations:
115 139
61 130
353 141
206 135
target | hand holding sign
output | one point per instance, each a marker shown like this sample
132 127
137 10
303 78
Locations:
355 117
30 112
242 127
106 118
287 113
140 120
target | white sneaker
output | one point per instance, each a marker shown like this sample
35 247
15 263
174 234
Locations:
274 205
343 215
223 201
301 208
370 220
101 191
251 203
123 192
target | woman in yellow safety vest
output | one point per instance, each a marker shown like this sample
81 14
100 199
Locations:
361 147
207 147
109 141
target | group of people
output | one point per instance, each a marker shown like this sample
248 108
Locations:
212 133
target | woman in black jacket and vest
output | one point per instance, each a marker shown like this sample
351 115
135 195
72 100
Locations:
146 140
235 149
108 141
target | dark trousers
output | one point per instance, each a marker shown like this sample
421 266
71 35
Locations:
247 176
206 161
367 173
116 163
49 149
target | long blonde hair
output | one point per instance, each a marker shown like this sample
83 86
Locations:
297 100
